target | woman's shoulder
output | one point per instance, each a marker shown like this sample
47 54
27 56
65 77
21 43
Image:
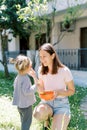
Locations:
67 74
64 69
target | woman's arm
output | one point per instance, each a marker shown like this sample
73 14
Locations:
70 90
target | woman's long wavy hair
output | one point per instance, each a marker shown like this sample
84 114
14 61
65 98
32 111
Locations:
56 62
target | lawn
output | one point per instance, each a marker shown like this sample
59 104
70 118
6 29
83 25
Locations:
9 116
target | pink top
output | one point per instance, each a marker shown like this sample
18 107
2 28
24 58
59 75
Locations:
57 81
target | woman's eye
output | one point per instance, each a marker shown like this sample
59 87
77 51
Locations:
44 56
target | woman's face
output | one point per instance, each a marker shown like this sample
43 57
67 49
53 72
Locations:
45 58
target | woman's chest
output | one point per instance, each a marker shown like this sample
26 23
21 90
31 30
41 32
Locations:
54 82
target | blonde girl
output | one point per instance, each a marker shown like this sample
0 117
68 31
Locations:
23 95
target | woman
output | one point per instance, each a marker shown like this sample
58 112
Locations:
54 76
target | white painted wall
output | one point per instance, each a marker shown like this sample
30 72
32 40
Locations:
13 45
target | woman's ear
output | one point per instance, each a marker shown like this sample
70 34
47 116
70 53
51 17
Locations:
53 55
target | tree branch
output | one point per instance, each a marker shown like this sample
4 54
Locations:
1 62
60 37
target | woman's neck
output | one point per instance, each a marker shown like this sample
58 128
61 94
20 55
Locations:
50 69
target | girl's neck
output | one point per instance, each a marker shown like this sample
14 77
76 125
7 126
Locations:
22 73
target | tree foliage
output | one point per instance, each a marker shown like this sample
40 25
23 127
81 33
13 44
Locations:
71 16
29 20
9 21
22 17
34 15
9 17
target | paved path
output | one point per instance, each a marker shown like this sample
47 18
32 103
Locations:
80 78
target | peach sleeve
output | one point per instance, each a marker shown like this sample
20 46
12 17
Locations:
68 75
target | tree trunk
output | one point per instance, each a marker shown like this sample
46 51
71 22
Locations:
4 60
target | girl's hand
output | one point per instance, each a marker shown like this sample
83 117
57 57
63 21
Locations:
32 73
38 82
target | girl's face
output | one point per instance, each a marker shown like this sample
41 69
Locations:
29 67
27 70
45 58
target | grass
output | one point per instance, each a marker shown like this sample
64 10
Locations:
9 116
78 121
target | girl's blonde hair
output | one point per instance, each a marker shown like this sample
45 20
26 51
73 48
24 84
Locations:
21 62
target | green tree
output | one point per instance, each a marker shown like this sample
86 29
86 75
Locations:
35 17
9 21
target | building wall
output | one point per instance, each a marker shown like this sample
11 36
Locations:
71 40
32 41
13 45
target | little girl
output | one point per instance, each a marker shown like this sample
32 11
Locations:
23 95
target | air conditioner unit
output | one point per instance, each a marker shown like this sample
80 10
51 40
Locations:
70 29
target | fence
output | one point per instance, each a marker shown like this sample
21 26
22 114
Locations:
69 57
74 58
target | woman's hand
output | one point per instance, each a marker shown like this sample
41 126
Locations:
40 86
55 94
70 90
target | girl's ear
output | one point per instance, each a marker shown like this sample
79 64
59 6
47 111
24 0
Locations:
53 55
